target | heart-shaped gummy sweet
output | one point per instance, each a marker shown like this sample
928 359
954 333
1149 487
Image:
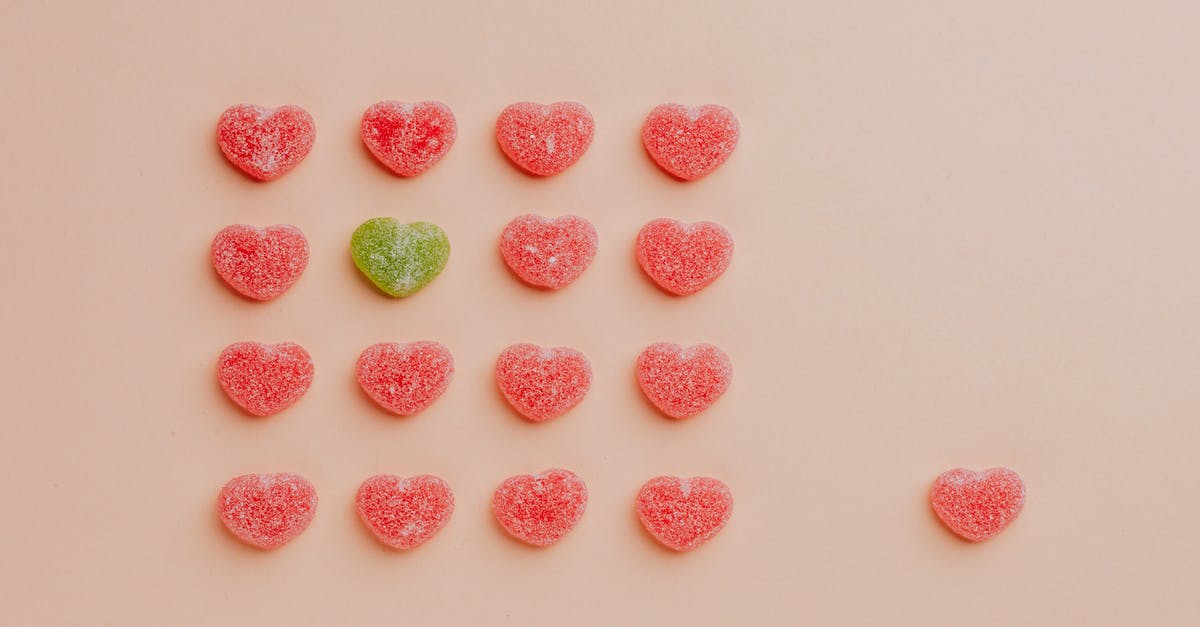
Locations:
683 258
404 512
265 143
408 138
546 252
683 513
540 509
544 139
977 505
399 259
690 142
267 511
543 383
405 378
264 379
260 263
683 381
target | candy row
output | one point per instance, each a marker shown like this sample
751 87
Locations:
539 383
408 138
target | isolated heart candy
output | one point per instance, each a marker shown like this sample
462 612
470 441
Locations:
260 263
543 383
267 511
690 142
548 253
683 513
977 505
265 143
405 378
683 258
544 139
408 138
264 379
540 509
683 381
404 512
399 259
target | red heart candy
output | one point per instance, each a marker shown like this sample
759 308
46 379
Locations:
408 138
540 509
404 512
548 253
264 378
544 139
690 142
683 258
543 383
405 378
683 513
260 263
267 511
977 505
265 143
682 382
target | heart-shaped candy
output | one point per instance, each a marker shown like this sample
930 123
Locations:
408 138
405 378
544 139
265 143
543 383
683 258
683 513
977 505
546 252
540 509
399 259
690 142
264 379
267 511
683 381
260 263
404 512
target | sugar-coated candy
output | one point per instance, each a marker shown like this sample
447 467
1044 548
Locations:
683 513
544 139
404 512
265 143
540 509
977 505
405 378
399 259
547 252
407 137
689 142
683 381
683 258
264 379
260 263
267 510
543 383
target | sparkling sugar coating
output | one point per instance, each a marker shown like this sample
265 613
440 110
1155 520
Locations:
260 263
977 505
546 252
265 143
683 258
264 379
408 138
405 378
683 381
543 383
404 512
540 509
690 142
683 513
267 511
399 259
544 139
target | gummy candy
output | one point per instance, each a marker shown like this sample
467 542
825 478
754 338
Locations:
408 138
404 512
683 258
264 379
683 513
399 259
690 142
540 509
265 143
267 511
977 505
683 381
260 263
543 383
544 139
405 378
549 253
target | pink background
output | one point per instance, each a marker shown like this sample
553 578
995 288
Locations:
966 237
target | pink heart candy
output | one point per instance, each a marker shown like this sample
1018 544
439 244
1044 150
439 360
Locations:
405 378
683 381
260 263
683 258
264 379
543 383
544 139
265 143
267 511
404 512
408 138
540 509
548 253
977 505
690 142
683 513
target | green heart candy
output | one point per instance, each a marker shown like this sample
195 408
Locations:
400 259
